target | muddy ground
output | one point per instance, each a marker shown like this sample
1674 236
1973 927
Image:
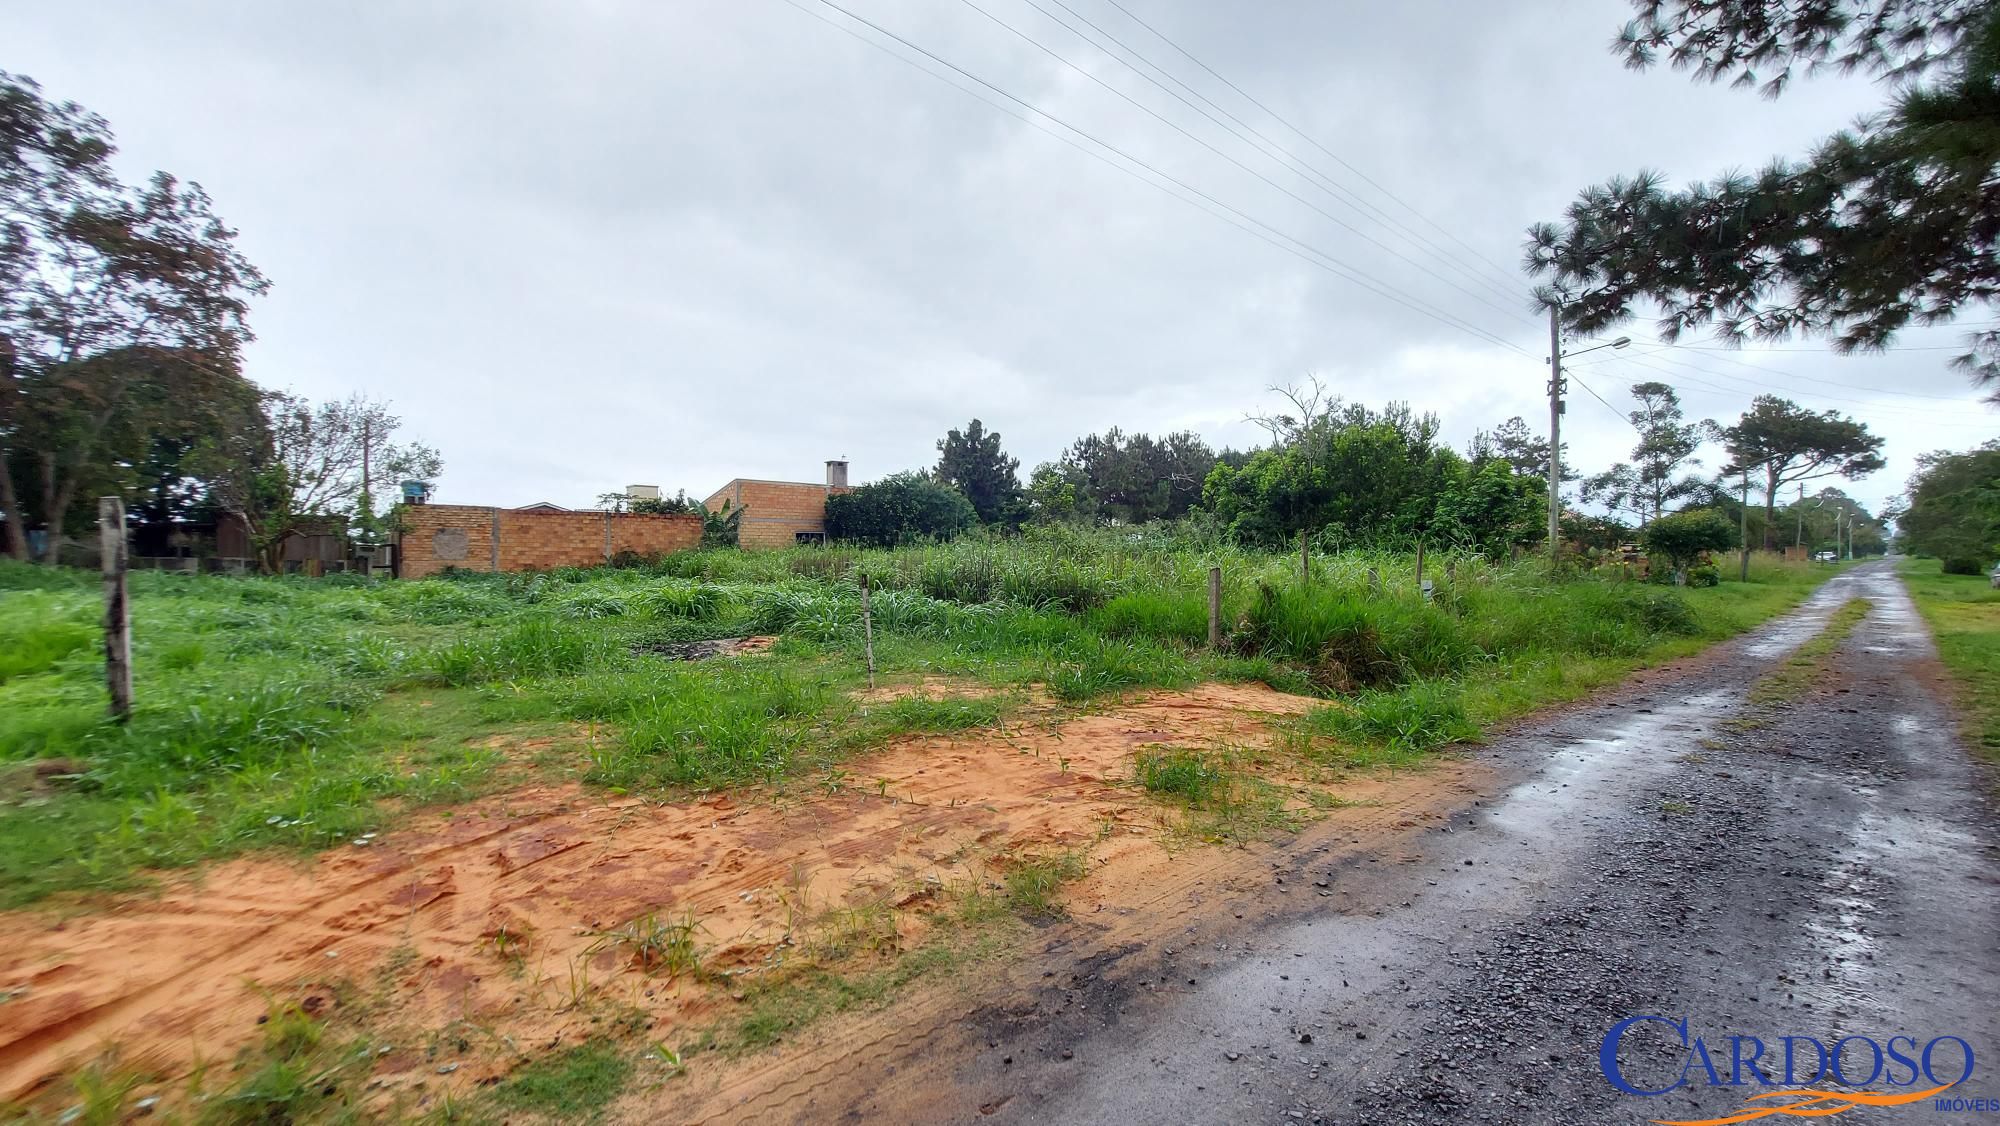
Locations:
1824 866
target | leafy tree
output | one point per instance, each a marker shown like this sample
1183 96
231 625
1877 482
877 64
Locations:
620 503
1787 443
722 529
1130 479
122 311
897 509
1052 493
1954 508
1490 507
1619 490
1514 443
1818 521
1352 476
1890 224
1667 443
1681 537
1653 479
314 462
972 462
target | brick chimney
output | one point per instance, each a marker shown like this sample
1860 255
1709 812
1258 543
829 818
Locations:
836 474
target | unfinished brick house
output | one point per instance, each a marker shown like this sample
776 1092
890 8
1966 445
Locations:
472 538
780 513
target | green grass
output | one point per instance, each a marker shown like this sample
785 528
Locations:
1791 680
292 713
1963 612
570 1086
1033 881
1192 776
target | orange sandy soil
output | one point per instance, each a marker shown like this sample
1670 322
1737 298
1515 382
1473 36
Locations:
404 931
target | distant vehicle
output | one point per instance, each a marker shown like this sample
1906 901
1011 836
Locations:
1824 557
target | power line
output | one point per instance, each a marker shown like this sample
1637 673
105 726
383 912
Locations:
1511 291
1888 408
1622 416
1312 254
1807 378
1737 394
1280 119
1178 128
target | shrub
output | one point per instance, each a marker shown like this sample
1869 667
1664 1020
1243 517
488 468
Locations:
1962 565
1681 538
898 509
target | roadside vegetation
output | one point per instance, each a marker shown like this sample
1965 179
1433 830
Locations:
1963 612
1791 680
297 713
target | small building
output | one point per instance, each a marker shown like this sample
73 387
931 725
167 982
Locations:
780 513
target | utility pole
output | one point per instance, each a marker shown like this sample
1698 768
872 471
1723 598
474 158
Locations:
1802 513
1555 432
1558 385
367 493
1743 574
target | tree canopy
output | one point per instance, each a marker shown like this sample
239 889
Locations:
972 462
898 508
122 313
1667 443
1953 508
1681 537
1124 478
1349 476
1890 224
1785 443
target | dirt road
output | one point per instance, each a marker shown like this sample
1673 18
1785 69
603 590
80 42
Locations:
1825 866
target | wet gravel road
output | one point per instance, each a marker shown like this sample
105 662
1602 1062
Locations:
1823 867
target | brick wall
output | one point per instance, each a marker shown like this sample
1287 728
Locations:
475 538
775 512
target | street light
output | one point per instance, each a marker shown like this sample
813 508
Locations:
1618 343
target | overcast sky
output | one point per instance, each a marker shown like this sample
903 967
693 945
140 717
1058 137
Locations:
585 245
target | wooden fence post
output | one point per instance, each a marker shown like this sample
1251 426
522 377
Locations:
117 612
868 632
1420 563
1305 559
1215 607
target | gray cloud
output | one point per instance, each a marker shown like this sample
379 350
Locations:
587 245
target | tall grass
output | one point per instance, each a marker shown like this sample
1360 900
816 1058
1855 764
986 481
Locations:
279 710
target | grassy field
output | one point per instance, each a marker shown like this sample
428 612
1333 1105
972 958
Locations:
301 713
1963 612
